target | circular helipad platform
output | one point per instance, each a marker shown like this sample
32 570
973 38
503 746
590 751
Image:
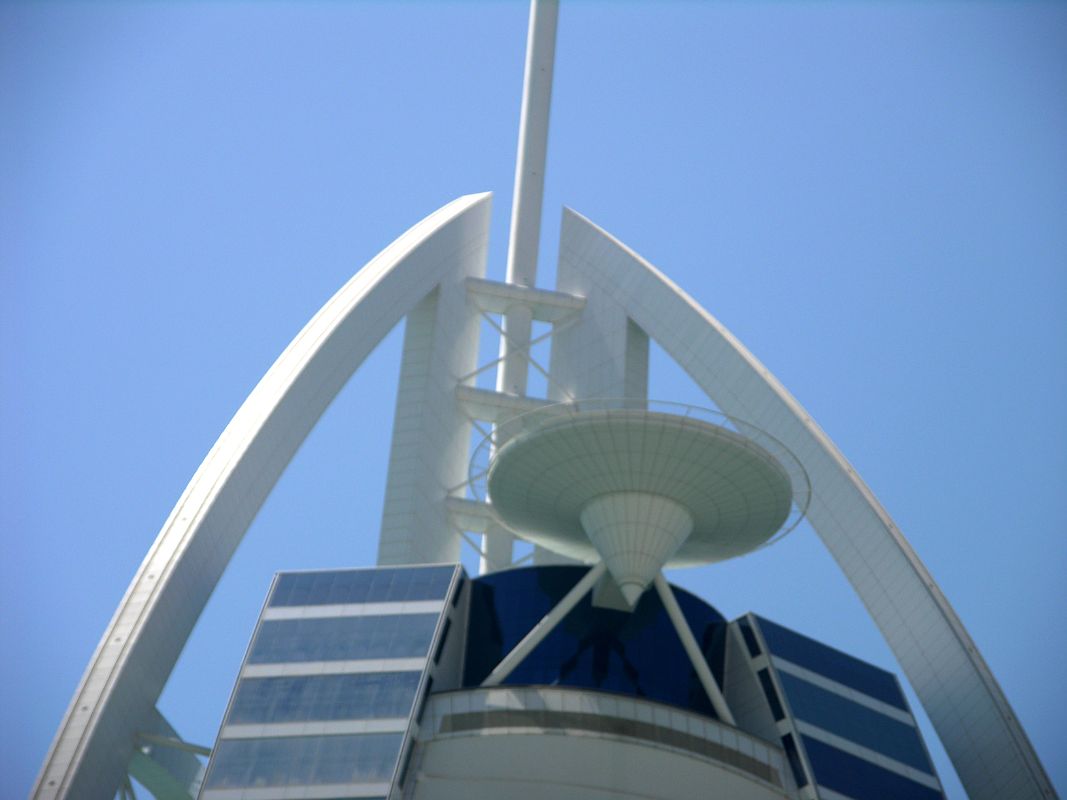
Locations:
542 479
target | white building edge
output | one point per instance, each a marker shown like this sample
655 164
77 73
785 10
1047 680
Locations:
608 305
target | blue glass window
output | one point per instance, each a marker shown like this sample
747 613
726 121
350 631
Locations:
305 698
304 760
771 694
859 778
831 663
854 722
750 638
380 585
342 638
636 653
442 641
793 756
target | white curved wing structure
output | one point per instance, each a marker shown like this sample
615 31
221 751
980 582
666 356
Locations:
987 745
615 303
117 695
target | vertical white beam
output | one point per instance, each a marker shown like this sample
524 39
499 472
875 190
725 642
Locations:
431 433
525 227
547 624
529 190
533 143
692 649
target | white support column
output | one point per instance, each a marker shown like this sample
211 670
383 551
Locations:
525 234
431 432
545 626
529 190
497 548
692 649
533 143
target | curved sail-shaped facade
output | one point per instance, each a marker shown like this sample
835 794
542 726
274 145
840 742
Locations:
974 721
612 303
608 307
115 701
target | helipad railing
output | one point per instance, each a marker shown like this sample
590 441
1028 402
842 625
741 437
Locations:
527 422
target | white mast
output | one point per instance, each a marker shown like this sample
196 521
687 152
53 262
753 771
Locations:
525 226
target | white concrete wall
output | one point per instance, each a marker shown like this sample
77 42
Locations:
573 759
532 766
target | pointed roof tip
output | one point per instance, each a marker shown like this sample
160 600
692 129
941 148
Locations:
632 592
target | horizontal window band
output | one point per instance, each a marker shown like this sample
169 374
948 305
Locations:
873 757
845 691
343 638
323 698
366 585
285 762
839 770
854 722
821 659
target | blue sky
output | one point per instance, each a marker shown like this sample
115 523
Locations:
871 196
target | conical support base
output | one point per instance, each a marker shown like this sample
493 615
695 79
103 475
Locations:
635 533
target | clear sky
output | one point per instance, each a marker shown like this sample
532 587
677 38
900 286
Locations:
873 197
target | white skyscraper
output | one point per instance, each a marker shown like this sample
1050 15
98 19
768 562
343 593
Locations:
621 510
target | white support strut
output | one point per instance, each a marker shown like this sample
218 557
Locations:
692 649
533 144
548 622
525 232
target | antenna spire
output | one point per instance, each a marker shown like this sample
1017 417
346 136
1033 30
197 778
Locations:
533 143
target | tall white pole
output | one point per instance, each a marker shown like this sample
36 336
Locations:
529 190
692 649
525 225
547 624
533 143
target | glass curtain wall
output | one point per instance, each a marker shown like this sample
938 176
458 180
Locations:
329 682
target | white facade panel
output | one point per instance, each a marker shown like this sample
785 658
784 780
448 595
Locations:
572 743
534 765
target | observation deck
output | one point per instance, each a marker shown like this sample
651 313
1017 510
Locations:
642 486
